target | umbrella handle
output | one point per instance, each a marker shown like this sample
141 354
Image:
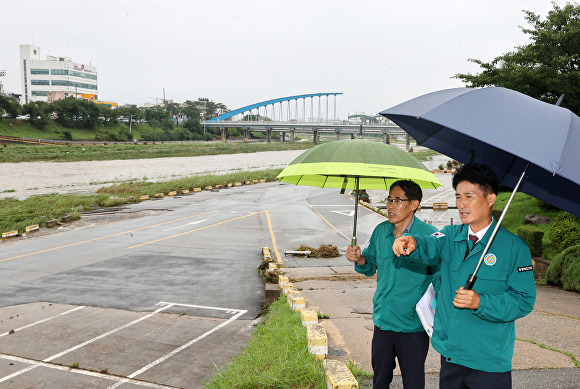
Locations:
470 282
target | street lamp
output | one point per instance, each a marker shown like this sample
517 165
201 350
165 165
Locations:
130 121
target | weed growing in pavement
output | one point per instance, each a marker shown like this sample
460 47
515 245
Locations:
322 315
567 353
75 365
359 373
276 357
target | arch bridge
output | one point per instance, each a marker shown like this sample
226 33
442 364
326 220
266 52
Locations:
311 114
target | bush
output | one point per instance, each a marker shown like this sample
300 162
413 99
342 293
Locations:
533 237
564 270
546 206
565 231
449 164
441 167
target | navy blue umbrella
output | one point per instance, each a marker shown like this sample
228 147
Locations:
532 146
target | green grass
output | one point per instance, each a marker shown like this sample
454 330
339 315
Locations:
425 155
276 357
521 206
101 152
17 214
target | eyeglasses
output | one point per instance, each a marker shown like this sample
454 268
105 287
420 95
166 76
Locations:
397 201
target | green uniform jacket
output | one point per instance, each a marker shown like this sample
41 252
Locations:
400 283
481 339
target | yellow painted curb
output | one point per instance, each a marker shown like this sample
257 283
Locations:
32 228
308 316
254 181
272 266
338 376
9 234
208 188
282 280
218 186
159 195
286 286
172 193
144 197
317 341
229 185
440 206
197 189
238 184
297 302
247 182
262 180
185 191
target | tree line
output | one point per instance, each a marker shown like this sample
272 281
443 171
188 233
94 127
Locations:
169 121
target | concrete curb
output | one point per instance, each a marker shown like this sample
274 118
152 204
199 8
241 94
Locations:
338 375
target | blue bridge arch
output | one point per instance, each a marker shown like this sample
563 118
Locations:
248 108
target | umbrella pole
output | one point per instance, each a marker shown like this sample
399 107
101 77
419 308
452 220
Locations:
473 277
353 241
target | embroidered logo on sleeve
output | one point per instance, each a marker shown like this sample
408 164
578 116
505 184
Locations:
525 268
438 234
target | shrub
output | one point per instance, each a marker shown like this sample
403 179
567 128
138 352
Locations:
533 237
564 270
441 167
546 206
565 231
449 164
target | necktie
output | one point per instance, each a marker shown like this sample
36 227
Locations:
473 239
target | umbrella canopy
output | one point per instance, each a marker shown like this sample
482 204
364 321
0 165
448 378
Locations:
356 164
338 165
528 143
504 129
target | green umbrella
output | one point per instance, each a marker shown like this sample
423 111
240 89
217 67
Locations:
356 164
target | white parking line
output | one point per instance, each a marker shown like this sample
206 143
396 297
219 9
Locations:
43 320
3 379
84 372
185 225
186 345
118 380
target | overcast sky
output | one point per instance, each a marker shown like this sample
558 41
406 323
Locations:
239 52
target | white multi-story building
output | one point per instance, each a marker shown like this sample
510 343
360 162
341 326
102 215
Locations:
55 74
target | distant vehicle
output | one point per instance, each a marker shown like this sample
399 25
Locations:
6 115
23 117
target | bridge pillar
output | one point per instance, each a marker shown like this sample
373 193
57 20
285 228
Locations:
292 135
246 134
283 136
386 137
360 131
269 135
337 133
314 135
224 133
408 142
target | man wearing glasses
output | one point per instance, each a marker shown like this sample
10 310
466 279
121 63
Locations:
400 284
